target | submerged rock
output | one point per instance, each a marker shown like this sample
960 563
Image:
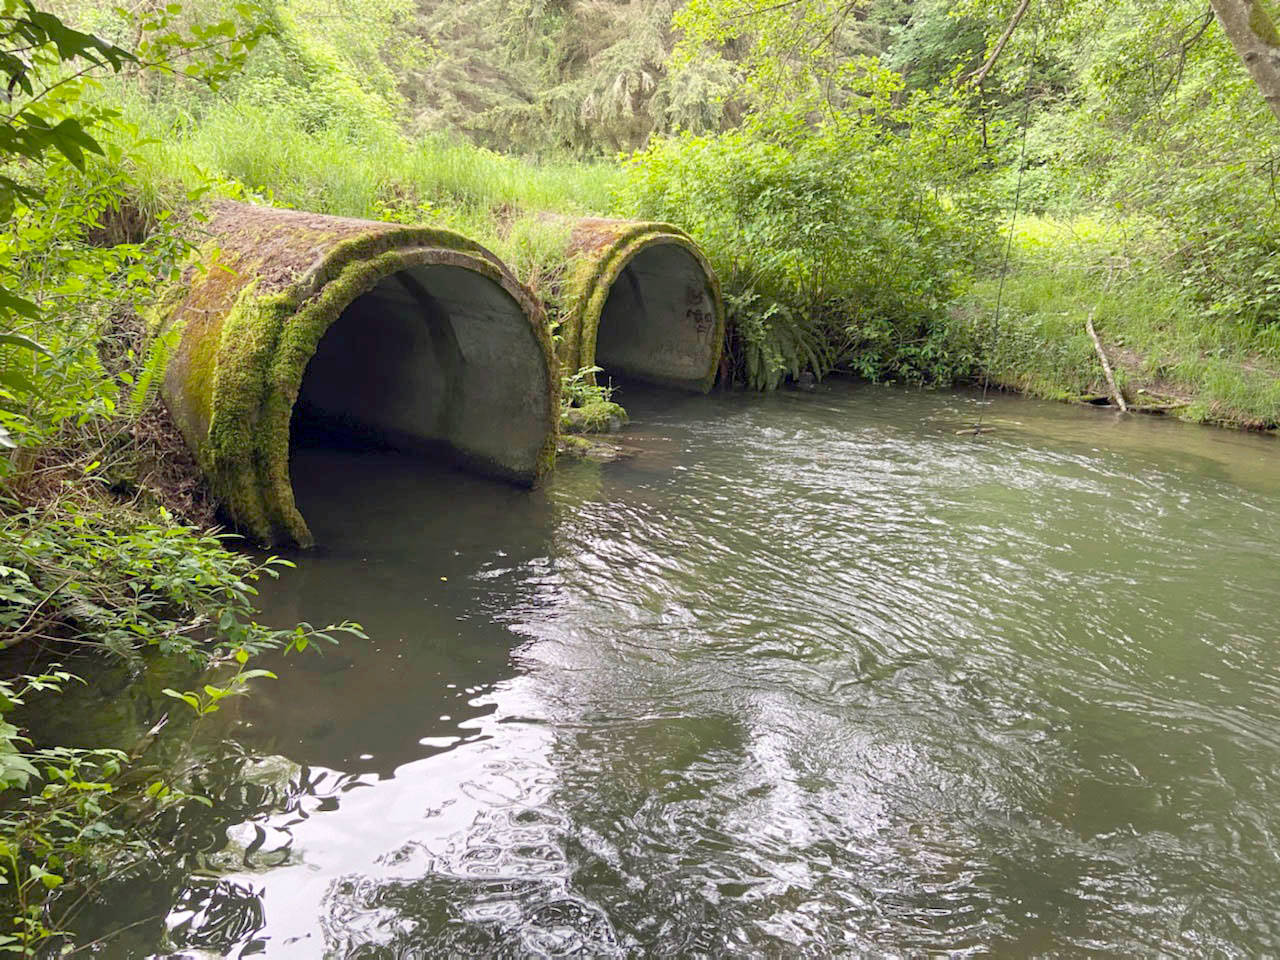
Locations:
806 382
594 449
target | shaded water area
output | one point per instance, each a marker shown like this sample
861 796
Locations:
809 675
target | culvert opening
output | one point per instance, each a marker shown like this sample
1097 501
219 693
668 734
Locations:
435 360
658 324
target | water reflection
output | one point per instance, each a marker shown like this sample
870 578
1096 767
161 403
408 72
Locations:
809 675
219 914
459 850
423 557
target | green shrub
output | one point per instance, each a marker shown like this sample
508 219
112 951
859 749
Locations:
839 245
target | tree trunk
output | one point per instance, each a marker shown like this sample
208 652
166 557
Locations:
1252 31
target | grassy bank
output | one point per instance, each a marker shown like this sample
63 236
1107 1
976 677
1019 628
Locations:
1166 350
243 150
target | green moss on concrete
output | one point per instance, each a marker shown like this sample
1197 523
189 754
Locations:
252 320
602 249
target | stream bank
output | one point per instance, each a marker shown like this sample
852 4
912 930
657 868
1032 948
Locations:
1171 352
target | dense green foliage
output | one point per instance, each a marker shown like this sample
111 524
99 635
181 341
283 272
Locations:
90 561
843 244
1152 148
1140 114
849 186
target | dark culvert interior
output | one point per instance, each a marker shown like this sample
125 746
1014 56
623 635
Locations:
436 360
658 323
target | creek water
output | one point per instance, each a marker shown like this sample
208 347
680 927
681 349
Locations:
808 675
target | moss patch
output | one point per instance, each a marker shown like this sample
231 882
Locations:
1263 27
599 416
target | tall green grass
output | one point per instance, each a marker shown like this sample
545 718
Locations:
248 151
1158 337
268 153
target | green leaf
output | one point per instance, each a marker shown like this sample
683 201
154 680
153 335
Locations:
254 674
188 698
71 140
18 382
19 305
18 340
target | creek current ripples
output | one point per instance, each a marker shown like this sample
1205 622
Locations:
807 676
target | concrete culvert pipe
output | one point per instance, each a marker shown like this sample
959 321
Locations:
405 337
643 303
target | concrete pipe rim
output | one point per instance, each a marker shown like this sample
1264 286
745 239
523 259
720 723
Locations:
596 294
285 379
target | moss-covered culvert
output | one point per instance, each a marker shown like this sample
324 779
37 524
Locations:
402 336
641 301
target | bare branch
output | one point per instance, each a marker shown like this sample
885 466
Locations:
980 74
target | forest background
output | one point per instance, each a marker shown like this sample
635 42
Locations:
920 191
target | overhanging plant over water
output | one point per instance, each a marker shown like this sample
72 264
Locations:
90 561
102 578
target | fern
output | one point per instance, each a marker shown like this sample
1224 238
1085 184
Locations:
768 343
152 371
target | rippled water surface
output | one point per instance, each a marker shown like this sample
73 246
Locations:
809 675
